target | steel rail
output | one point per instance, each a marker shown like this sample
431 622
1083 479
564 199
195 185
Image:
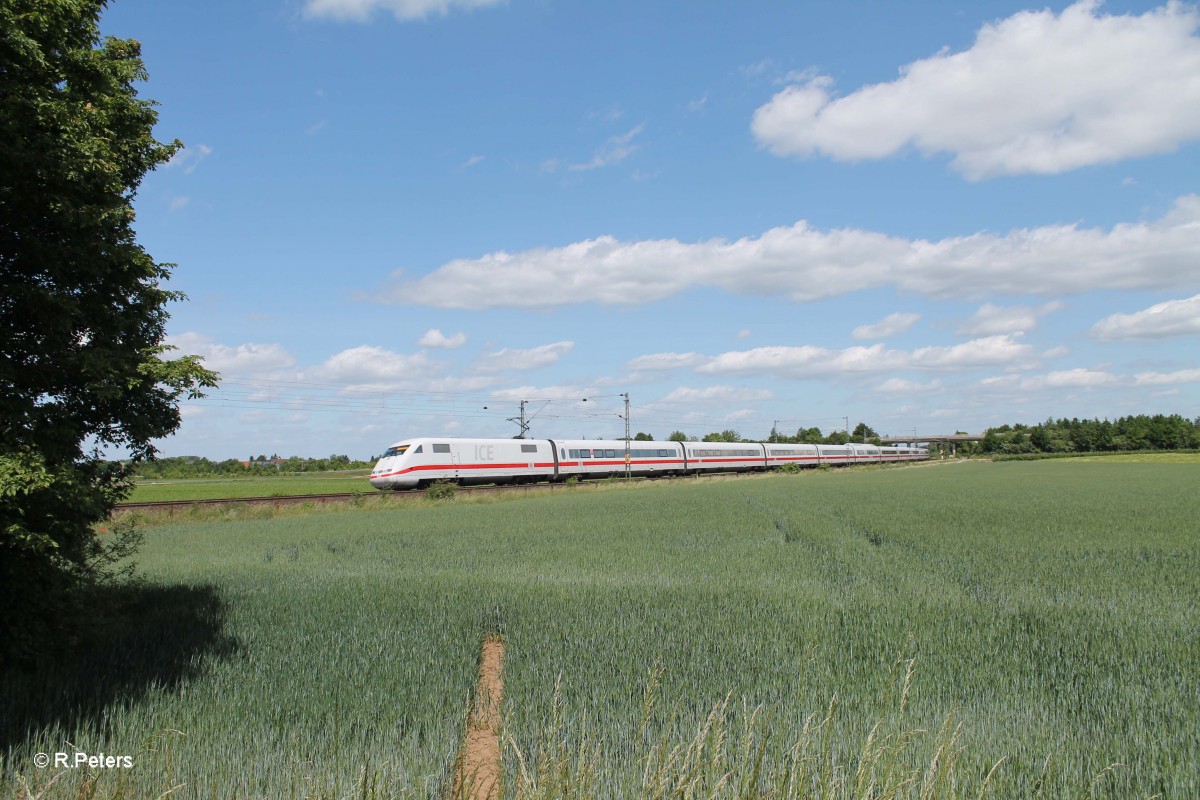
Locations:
293 499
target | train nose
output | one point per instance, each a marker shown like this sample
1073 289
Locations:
378 476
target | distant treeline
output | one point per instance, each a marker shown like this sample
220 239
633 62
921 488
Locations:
1159 432
196 467
861 433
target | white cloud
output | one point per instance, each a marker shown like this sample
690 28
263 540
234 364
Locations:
806 361
805 263
1036 93
890 325
362 10
905 386
709 395
368 367
1078 378
1167 378
616 149
435 338
744 333
992 319
576 393
179 201
664 361
1162 321
235 360
988 351
541 356
470 162
188 158
1001 381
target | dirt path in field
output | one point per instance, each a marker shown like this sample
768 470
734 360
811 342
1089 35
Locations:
477 768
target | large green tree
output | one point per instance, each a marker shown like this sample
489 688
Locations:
83 307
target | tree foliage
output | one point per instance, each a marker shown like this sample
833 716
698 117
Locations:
83 311
1142 432
864 433
258 466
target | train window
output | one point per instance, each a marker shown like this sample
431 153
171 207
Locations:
395 451
585 453
562 452
529 448
418 449
610 453
441 448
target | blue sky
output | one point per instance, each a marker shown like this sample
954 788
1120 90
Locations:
391 214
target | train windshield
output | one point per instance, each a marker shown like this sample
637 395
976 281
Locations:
396 451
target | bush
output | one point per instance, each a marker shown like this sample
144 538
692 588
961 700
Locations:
442 490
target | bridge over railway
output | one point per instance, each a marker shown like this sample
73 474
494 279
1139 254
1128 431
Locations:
941 439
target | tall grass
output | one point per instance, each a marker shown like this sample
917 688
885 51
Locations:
1049 607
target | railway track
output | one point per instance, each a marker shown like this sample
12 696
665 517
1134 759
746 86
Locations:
320 499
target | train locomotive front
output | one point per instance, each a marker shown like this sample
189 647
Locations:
419 462
394 469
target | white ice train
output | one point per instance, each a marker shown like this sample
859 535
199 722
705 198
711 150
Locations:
418 462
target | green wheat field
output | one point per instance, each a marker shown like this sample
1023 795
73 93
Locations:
150 491
1007 630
